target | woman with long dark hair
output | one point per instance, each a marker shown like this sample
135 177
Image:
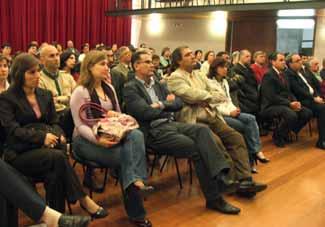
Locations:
35 141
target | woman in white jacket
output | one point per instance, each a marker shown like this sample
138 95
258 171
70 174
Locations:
242 122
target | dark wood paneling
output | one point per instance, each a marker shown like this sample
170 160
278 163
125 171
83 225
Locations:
252 31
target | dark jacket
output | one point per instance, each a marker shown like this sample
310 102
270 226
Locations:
16 114
299 88
313 81
137 103
118 84
274 92
248 94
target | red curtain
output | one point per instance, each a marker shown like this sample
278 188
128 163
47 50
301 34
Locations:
81 21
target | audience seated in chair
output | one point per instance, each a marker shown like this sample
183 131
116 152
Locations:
242 122
34 140
123 67
259 66
193 88
277 101
208 59
306 89
149 102
4 72
60 83
127 155
248 95
314 69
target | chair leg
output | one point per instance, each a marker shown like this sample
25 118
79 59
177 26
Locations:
310 128
178 174
164 163
153 164
191 171
69 207
105 179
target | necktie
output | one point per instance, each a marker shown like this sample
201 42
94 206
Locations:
281 76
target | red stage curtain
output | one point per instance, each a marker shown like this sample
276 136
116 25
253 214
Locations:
22 21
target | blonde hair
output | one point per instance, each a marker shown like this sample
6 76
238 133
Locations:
86 78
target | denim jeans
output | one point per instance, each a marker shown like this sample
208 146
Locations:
246 124
128 157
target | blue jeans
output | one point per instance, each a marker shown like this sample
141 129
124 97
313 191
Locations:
246 124
128 157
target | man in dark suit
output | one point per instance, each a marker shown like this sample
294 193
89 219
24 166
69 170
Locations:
307 92
248 94
115 78
278 101
149 102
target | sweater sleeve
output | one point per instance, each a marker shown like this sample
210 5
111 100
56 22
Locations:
78 98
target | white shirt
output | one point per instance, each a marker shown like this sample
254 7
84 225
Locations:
311 90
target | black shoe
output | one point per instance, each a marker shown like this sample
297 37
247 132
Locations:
251 186
320 145
73 221
91 184
226 185
222 206
247 195
141 222
279 142
262 160
100 213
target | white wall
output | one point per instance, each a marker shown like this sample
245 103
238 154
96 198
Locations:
320 36
196 33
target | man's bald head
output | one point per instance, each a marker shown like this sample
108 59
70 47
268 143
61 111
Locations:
50 58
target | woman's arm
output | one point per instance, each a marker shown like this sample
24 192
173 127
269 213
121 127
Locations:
78 98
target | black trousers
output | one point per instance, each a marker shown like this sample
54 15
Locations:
294 121
319 113
16 192
51 167
183 140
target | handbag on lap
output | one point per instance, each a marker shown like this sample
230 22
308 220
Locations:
113 128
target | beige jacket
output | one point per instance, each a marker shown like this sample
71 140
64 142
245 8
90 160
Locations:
123 69
220 90
66 83
193 88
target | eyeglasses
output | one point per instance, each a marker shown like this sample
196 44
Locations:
110 55
147 62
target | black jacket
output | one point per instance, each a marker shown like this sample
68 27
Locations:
118 84
248 94
16 114
299 88
274 92
137 103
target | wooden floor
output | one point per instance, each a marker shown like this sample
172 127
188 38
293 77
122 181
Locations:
295 196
